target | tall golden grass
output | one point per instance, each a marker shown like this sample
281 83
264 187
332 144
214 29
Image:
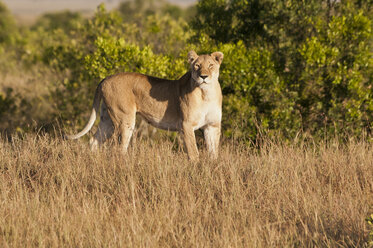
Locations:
56 193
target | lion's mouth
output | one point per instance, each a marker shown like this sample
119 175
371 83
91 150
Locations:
201 80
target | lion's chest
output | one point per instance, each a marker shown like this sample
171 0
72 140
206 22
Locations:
207 114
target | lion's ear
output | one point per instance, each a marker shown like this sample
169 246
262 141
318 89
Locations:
192 55
218 56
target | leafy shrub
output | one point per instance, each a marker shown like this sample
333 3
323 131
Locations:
337 86
7 25
65 20
94 50
255 95
300 66
6 102
289 67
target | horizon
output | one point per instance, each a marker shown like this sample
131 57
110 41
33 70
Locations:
28 10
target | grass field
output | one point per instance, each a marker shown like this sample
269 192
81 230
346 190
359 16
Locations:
56 193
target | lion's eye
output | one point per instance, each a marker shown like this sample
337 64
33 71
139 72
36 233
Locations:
210 66
197 66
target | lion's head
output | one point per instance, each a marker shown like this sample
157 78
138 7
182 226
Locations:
205 68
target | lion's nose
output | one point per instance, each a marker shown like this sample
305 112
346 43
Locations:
203 77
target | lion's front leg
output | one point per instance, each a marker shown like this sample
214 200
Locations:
189 138
212 137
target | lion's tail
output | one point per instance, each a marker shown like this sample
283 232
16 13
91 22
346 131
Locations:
92 118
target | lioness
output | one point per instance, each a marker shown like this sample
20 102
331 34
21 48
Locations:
194 101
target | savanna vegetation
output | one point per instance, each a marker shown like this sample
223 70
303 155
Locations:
296 163
56 193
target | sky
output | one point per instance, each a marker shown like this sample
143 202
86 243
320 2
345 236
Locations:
26 9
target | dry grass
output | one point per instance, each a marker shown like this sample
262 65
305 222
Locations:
58 194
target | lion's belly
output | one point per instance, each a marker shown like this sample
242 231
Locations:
161 113
163 119
162 124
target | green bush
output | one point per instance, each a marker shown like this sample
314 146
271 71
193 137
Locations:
254 94
289 66
7 25
65 20
6 102
94 50
337 89
292 66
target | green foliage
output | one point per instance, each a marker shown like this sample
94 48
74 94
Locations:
97 49
214 18
66 53
65 20
113 55
136 10
298 65
165 34
8 34
254 93
6 102
18 110
337 86
289 66
132 10
157 24
7 25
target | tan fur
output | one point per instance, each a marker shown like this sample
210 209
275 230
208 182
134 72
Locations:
192 102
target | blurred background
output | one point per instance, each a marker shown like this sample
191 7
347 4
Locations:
290 68
29 10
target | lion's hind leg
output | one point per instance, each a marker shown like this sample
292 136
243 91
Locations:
125 131
124 120
105 129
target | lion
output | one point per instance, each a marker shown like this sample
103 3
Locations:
192 102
